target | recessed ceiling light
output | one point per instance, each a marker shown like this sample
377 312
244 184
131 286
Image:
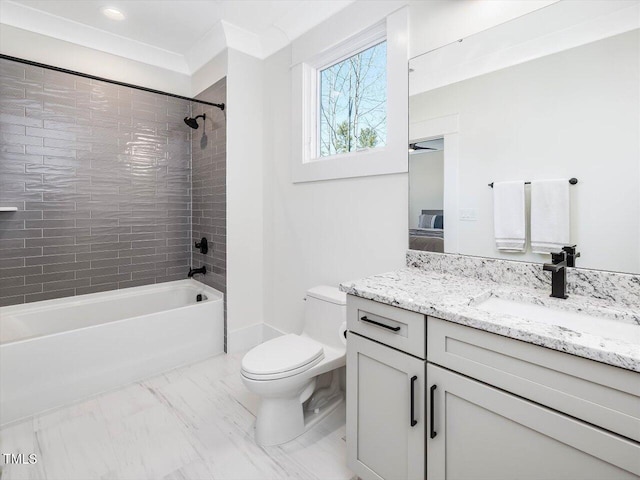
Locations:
113 13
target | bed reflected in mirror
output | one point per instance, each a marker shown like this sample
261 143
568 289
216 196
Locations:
426 195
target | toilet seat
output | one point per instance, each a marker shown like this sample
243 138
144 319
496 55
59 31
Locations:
282 357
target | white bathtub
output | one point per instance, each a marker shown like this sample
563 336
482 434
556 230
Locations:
58 351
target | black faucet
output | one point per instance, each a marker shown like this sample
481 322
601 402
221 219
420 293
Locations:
571 255
193 271
558 269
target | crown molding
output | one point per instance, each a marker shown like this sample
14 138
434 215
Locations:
208 47
222 35
30 19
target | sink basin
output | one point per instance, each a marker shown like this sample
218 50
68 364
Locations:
576 321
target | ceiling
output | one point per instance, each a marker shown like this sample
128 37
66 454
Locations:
182 35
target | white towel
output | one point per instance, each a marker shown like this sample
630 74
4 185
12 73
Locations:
508 215
550 215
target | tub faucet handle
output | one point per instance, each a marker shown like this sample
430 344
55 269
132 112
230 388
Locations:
203 245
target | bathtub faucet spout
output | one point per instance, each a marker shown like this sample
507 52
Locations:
193 271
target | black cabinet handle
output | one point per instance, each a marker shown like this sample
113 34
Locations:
432 432
368 320
414 422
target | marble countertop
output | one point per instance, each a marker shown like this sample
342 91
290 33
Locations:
459 299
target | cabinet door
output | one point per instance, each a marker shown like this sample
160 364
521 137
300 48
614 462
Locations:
479 432
385 412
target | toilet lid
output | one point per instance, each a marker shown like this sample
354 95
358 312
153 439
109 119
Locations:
282 354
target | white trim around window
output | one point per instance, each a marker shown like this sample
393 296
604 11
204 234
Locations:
393 157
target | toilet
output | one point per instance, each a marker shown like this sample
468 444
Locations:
284 371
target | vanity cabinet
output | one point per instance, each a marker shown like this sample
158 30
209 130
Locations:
385 392
428 398
500 408
480 432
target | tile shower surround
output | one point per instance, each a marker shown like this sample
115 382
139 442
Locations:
101 178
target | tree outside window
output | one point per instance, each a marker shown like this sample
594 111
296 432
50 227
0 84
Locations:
353 103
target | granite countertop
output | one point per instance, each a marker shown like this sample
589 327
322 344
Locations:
458 299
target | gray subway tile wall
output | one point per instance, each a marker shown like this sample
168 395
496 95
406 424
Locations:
209 171
101 177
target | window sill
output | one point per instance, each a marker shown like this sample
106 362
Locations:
378 161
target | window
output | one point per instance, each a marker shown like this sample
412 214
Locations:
353 103
349 96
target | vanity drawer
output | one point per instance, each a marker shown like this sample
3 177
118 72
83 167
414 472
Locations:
392 326
600 394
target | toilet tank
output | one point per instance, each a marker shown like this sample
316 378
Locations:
325 312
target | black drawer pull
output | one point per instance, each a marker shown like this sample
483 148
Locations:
414 422
368 320
432 429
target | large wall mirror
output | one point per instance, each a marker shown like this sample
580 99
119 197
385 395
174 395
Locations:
551 95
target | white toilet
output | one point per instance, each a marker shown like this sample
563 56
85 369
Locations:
283 371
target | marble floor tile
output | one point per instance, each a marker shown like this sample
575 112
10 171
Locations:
233 385
20 439
192 423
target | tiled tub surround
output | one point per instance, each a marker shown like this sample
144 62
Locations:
100 175
428 286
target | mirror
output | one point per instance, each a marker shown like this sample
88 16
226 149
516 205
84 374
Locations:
551 95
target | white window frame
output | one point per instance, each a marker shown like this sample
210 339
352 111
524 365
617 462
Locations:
307 165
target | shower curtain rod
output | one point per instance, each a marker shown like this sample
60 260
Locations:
115 82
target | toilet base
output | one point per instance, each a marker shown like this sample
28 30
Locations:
311 418
279 421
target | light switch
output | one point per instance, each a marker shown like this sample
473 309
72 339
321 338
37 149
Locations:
468 214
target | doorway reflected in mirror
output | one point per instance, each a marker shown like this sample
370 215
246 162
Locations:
426 195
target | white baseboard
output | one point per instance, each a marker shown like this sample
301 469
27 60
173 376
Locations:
270 332
243 339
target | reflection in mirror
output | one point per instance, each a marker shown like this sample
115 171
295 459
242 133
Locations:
548 96
426 195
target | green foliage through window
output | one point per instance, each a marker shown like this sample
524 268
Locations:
353 103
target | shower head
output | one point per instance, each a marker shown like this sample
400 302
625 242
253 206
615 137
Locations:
193 122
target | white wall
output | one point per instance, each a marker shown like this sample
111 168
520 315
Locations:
245 158
320 232
51 51
426 184
570 114
328 232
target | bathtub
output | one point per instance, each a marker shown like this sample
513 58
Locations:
56 352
